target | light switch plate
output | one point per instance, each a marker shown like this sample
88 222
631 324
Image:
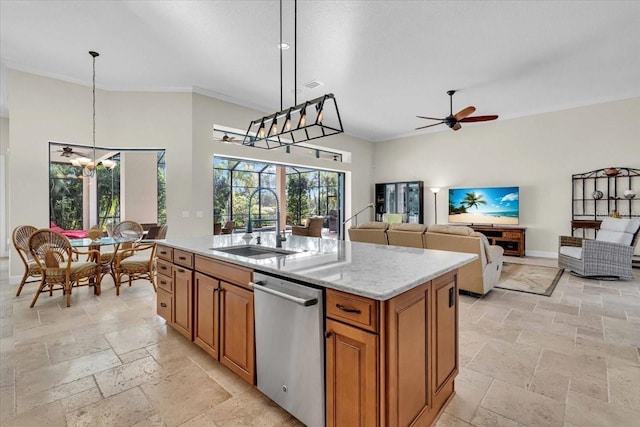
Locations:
185 214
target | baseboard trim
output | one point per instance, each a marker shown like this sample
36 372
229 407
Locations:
542 254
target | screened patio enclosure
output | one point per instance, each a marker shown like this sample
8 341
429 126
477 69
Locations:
303 192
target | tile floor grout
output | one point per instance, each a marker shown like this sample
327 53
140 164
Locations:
514 342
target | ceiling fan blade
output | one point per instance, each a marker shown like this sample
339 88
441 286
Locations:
465 112
457 126
428 126
428 118
479 118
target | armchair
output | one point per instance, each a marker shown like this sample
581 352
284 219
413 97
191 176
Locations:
54 255
312 227
135 263
20 237
228 227
608 255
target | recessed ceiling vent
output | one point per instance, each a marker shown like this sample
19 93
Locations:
313 84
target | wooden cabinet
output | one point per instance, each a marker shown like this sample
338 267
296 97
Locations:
512 239
352 383
207 297
237 338
401 373
175 290
183 301
224 316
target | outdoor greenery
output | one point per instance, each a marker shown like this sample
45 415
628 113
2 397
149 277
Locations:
65 196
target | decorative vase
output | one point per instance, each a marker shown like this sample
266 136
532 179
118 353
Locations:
597 195
612 172
629 194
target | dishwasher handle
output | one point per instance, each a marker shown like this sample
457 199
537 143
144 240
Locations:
300 301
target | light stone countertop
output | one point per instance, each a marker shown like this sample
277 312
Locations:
373 271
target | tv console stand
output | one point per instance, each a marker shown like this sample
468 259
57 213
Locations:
512 239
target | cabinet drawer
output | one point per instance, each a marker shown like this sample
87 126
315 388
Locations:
164 304
352 309
165 283
183 258
510 235
165 252
228 272
165 268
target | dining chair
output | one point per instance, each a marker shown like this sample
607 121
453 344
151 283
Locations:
228 227
135 263
20 237
55 256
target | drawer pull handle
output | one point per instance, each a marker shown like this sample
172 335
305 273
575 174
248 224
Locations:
328 334
163 252
180 270
162 304
451 297
348 310
182 258
164 282
163 267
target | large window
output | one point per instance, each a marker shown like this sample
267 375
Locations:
77 202
307 192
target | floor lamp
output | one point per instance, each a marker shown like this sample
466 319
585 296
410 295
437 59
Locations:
435 202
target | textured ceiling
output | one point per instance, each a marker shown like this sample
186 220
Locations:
386 61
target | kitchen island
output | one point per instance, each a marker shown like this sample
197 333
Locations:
390 318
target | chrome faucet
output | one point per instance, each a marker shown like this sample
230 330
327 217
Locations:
279 237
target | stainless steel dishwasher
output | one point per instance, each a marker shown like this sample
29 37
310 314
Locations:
290 346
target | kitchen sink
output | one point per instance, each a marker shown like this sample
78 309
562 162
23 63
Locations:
254 251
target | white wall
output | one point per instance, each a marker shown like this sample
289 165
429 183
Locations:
44 109
4 145
538 153
139 186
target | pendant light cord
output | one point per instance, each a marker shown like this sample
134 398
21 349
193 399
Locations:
281 55
94 110
295 52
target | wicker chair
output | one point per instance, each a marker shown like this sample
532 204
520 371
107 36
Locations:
20 237
135 263
312 227
54 255
228 227
130 229
609 255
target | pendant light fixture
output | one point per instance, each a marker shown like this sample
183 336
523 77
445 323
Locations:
293 125
89 165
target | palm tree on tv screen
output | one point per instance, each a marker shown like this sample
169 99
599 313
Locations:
473 200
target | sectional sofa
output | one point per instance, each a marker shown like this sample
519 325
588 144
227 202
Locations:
478 277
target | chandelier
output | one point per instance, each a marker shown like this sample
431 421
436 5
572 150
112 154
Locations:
89 165
313 119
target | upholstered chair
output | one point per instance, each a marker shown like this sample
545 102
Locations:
312 227
369 232
20 237
610 254
479 276
228 227
406 234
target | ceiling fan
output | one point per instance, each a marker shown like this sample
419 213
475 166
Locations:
462 116
68 152
226 138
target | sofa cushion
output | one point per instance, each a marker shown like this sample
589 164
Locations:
623 225
460 230
485 243
571 251
418 228
619 237
376 225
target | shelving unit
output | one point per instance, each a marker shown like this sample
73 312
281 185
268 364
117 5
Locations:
405 198
597 194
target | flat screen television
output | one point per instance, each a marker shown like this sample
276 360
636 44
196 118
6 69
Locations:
484 205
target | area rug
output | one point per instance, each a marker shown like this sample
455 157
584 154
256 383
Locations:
533 279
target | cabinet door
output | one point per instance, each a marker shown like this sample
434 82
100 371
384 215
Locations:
408 371
183 301
206 328
351 373
237 343
445 316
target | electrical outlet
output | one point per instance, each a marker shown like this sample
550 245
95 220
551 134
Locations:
185 214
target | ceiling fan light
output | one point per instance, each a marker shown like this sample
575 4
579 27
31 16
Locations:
262 131
75 162
287 122
274 127
108 163
303 118
83 161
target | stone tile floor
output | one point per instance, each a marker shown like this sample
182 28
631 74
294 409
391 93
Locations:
572 359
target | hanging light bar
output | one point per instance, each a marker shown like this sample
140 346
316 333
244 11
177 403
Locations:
325 121
277 130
